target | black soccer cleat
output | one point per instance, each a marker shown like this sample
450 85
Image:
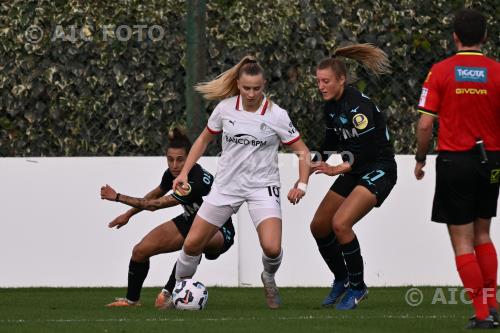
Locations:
487 323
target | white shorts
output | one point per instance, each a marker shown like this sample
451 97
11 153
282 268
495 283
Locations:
264 203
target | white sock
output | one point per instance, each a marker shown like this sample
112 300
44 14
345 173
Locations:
186 266
271 265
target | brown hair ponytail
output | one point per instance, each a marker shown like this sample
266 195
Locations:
370 56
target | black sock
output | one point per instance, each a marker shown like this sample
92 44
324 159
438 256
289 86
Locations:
331 253
354 263
171 280
137 272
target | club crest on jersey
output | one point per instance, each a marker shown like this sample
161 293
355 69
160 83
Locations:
470 74
360 121
245 139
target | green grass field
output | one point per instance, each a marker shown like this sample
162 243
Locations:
228 310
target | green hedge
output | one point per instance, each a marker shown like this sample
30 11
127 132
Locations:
104 96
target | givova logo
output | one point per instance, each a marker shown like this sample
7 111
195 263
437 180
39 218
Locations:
470 74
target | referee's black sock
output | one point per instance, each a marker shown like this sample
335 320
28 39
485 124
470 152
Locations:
171 280
331 253
137 272
354 263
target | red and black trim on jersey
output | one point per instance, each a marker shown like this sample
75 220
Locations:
292 141
212 131
263 107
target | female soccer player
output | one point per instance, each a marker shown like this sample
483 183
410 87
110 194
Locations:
252 127
355 127
169 236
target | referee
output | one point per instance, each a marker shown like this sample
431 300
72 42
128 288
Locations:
462 92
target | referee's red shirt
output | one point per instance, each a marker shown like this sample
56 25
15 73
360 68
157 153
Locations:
463 91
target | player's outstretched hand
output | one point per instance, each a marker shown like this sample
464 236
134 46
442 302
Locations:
325 168
294 195
120 221
108 193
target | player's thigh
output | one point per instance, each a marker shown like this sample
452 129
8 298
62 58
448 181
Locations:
269 231
162 239
321 225
199 235
355 206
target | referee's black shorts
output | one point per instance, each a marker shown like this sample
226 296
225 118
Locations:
184 224
466 189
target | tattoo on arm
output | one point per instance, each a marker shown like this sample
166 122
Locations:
154 194
149 204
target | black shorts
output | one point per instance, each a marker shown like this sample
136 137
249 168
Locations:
379 180
183 224
466 189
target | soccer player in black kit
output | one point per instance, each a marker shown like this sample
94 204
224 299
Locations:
169 236
356 129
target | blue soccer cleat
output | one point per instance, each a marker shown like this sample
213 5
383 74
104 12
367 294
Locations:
339 287
352 298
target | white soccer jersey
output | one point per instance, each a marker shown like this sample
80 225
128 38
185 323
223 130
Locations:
250 143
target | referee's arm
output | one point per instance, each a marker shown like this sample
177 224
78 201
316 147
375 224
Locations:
424 136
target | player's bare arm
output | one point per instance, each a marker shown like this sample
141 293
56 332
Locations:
108 193
148 204
152 203
424 137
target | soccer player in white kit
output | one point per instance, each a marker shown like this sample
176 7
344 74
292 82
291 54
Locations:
252 128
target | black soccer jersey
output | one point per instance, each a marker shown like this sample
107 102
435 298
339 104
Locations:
357 129
200 180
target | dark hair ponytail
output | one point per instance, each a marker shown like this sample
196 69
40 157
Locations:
178 139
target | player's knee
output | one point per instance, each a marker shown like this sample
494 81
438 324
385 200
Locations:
192 246
320 228
481 238
340 227
271 250
140 253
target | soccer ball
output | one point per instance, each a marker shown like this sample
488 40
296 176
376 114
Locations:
190 294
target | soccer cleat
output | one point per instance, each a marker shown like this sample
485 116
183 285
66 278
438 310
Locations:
272 293
493 315
338 289
352 298
123 302
487 323
164 300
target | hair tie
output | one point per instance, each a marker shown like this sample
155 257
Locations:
334 55
251 61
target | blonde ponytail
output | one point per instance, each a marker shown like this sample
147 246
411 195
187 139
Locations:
225 85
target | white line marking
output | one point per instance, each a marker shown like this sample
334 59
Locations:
119 320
